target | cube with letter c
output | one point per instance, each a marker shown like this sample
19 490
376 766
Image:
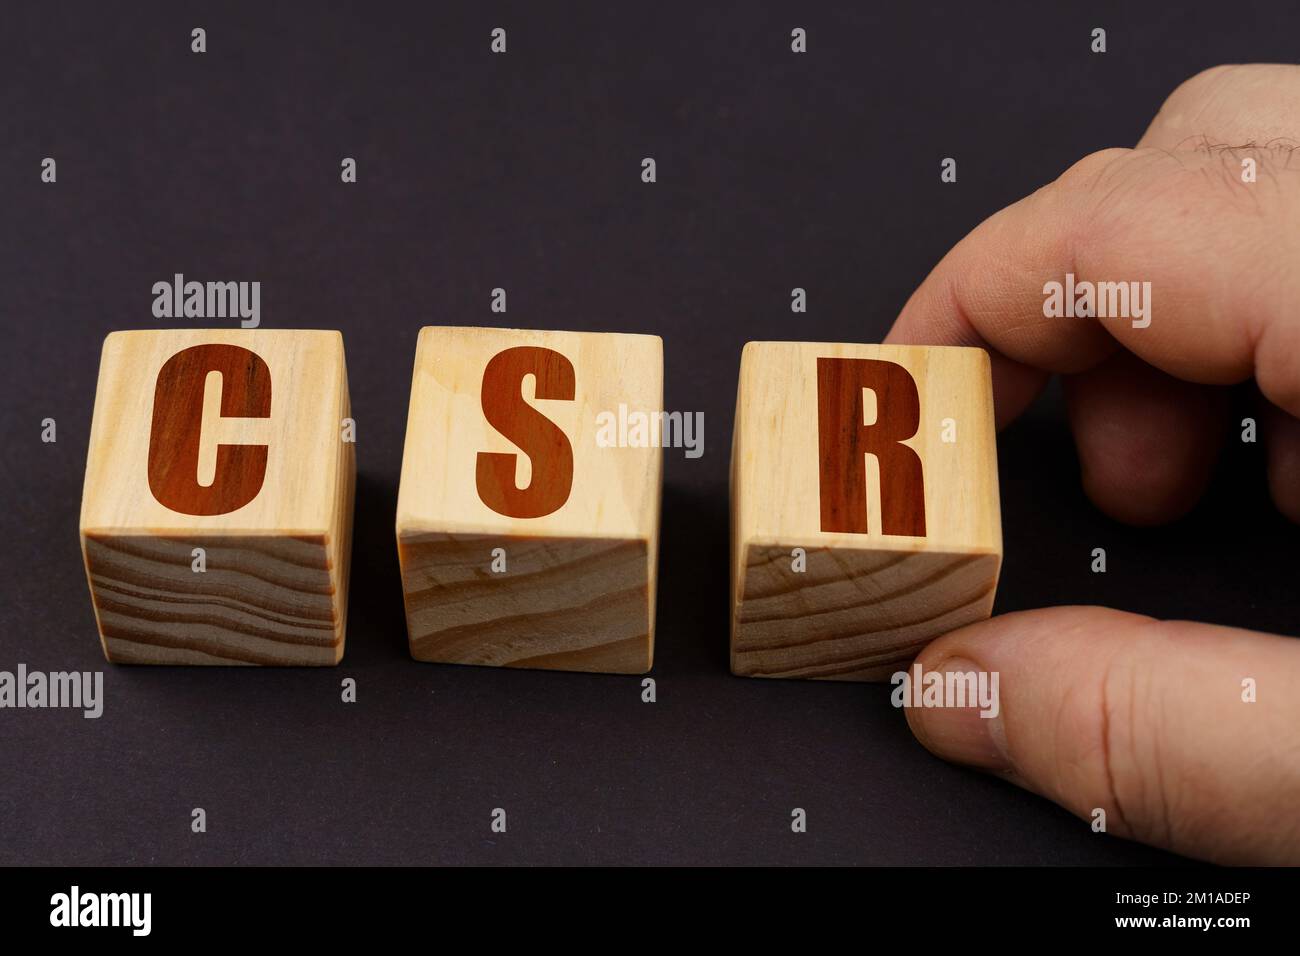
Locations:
524 539
216 519
865 510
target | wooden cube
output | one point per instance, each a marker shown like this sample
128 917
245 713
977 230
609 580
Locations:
864 497
216 519
527 539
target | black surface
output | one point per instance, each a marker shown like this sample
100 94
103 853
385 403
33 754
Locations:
522 171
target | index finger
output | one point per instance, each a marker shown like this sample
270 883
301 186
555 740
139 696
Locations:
1203 249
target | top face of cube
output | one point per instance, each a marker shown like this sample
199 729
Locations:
223 431
866 446
509 432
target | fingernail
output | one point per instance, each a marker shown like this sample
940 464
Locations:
960 734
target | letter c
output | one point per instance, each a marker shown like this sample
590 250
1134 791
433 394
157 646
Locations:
178 422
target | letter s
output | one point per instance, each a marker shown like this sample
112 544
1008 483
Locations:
537 436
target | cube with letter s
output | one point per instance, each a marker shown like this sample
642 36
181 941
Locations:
524 540
865 510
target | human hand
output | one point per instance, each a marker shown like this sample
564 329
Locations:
1100 708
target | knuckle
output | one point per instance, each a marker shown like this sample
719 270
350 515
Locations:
1228 79
1163 793
1104 731
1198 84
1066 201
1131 775
1067 195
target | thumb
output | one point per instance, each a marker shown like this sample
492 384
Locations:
1150 721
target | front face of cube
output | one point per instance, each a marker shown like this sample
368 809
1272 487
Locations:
528 512
216 515
865 510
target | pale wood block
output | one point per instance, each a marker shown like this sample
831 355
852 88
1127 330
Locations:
502 453
890 564
230 441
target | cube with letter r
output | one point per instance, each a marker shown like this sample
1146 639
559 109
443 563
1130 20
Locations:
865 511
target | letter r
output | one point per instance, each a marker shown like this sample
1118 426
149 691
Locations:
843 440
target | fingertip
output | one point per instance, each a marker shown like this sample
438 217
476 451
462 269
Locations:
1147 442
1142 498
1282 447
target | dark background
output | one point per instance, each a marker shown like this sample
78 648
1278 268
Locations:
523 171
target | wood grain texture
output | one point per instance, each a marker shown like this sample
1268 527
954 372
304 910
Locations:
275 588
578 604
578 523
808 451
